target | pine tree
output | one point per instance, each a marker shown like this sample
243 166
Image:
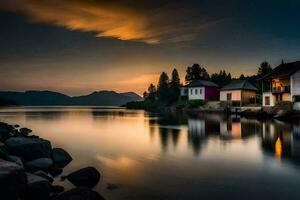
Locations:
196 72
151 92
163 87
264 69
174 86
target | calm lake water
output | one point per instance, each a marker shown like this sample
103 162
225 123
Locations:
169 157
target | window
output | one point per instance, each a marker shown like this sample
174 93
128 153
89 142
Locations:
267 101
196 91
191 90
200 91
229 96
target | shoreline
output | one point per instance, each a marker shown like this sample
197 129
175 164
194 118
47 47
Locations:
29 164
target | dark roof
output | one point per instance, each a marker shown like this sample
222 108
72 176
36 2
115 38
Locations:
201 83
283 70
239 85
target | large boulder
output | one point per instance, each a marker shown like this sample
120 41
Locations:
13 181
29 148
60 157
85 177
39 164
44 175
79 194
38 187
16 160
3 151
4 134
6 126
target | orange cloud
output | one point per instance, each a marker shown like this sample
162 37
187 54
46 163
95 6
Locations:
114 19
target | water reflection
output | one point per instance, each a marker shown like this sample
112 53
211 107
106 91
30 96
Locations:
173 156
282 140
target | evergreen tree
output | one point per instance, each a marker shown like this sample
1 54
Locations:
221 78
264 69
174 86
196 72
242 77
163 88
145 95
151 92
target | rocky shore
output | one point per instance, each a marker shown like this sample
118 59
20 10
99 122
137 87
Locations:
29 164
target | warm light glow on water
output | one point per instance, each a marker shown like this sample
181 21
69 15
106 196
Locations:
278 148
172 157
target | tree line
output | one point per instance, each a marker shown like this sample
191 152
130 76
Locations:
167 91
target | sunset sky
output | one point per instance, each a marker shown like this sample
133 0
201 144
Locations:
80 46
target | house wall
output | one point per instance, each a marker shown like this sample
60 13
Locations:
272 99
286 97
196 93
295 84
247 96
211 93
235 95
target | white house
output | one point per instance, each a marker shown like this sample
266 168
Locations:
200 90
284 85
238 93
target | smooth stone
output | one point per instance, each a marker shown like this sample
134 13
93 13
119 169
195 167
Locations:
3 151
16 160
4 134
38 187
6 126
55 170
85 177
79 194
57 189
25 131
13 181
29 148
39 164
44 175
61 157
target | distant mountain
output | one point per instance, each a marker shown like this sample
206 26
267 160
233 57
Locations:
107 98
43 98
132 95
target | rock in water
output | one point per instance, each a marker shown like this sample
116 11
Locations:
13 181
60 157
55 170
44 175
38 188
79 194
16 160
25 131
29 148
3 151
4 134
86 177
39 164
57 189
6 126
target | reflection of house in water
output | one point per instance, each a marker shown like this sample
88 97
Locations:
282 140
198 129
235 127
